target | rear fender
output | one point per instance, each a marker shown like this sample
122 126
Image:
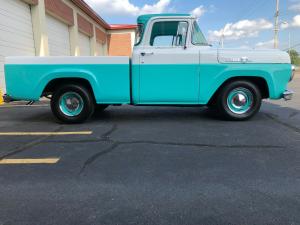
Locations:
59 74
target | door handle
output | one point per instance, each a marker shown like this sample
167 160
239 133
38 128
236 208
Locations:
147 53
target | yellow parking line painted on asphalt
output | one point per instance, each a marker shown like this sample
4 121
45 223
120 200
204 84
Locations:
1 98
15 106
45 133
29 161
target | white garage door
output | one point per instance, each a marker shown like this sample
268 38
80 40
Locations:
16 36
100 49
84 45
58 37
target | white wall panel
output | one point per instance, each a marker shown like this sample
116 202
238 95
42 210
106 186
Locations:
100 49
16 35
84 44
58 37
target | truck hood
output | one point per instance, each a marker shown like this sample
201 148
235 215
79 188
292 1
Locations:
252 56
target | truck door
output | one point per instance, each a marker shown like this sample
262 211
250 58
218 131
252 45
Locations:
169 69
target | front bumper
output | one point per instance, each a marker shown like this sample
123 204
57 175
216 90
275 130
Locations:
293 72
288 95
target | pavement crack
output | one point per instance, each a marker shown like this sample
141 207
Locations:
167 143
94 157
115 144
290 127
29 145
293 114
201 145
107 134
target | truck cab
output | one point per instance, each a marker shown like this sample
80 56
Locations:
167 61
172 64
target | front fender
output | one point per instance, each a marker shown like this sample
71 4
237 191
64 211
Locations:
212 77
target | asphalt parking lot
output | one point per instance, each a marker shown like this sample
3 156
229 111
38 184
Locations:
151 165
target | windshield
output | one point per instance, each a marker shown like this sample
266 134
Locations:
197 36
139 33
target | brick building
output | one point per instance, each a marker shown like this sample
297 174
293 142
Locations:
58 28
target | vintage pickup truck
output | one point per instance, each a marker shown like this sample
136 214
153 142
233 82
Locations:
172 64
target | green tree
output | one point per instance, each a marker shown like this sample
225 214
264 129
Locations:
294 57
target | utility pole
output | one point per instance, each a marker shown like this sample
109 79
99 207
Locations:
276 25
287 24
289 42
222 39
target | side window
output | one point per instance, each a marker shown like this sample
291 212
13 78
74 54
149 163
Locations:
169 33
163 41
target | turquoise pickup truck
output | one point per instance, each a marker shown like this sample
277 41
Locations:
172 64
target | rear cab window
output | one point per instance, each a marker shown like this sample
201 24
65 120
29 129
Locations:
139 34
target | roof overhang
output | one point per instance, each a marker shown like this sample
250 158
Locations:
122 27
89 11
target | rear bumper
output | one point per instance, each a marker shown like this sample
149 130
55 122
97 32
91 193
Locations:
7 98
288 95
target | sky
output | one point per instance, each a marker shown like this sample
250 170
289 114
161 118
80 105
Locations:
244 23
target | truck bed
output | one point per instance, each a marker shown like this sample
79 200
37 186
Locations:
109 77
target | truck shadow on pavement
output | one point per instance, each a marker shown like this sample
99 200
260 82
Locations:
146 113
43 115
119 114
141 113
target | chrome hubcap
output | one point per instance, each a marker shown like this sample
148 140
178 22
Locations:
71 104
240 100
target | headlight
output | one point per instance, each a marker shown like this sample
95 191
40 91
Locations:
293 72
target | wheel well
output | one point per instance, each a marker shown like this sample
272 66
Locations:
56 83
260 82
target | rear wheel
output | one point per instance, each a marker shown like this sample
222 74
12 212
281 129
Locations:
239 100
72 103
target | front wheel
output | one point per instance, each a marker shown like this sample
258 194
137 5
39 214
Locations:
72 103
239 100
